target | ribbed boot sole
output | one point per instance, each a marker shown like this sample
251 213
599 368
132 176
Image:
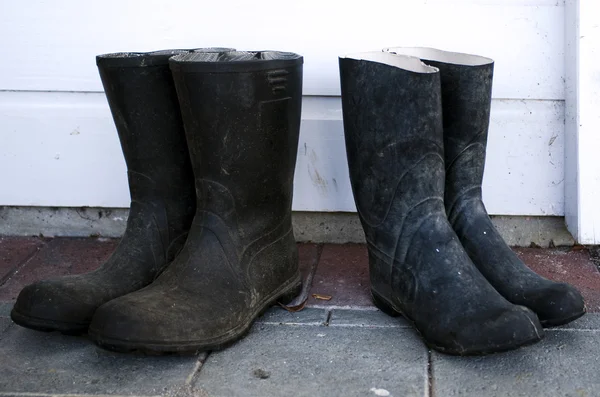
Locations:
46 325
284 294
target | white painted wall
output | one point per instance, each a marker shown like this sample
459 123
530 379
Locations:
58 146
53 43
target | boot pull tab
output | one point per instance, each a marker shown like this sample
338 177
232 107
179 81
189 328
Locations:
277 80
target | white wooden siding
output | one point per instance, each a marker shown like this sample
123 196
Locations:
58 146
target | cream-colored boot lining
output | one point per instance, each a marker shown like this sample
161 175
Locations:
433 54
403 62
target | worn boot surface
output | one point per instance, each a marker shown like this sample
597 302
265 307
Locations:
242 117
466 100
143 101
418 267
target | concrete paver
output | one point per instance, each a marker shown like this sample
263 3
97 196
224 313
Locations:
318 361
51 363
307 316
565 363
5 309
341 347
360 353
588 322
4 324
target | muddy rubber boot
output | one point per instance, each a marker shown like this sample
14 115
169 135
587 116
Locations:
418 267
466 100
242 116
144 104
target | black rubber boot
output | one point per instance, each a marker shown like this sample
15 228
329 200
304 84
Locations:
144 104
466 100
394 142
242 118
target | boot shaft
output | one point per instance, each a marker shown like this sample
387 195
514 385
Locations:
145 109
393 130
466 83
242 117
143 101
466 103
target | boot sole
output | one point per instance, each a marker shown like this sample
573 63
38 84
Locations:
46 325
285 293
389 309
562 321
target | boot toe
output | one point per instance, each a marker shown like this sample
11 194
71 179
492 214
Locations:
53 305
127 321
119 322
156 322
556 305
504 330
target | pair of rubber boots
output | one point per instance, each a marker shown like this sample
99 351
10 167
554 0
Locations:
210 138
206 261
416 125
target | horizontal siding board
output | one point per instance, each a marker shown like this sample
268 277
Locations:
61 149
53 43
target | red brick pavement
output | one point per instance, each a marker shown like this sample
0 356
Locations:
342 270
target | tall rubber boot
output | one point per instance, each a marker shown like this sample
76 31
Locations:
242 117
418 268
466 100
143 101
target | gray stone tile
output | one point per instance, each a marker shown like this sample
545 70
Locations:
307 316
5 309
4 324
565 363
318 361
37 362
590 321
365 318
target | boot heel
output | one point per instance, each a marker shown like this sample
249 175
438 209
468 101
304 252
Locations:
384 306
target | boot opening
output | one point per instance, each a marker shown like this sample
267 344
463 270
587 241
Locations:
235 56
433 54
409 63
166 52
138 59
122 55
212 49
274 55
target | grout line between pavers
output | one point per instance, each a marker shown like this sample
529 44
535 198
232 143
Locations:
332 325
202 357
312 324
22 264
301 299
349 325
571 330
28 394
429 379
346 307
